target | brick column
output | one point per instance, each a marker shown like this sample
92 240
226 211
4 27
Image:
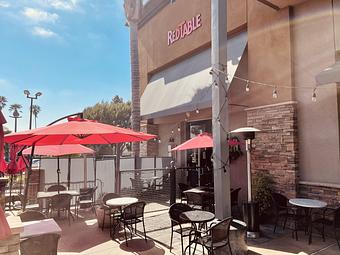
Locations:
276 147
11 245
149 148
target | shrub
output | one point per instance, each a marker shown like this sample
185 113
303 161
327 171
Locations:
262 189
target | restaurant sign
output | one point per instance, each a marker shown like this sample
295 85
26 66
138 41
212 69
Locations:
184 29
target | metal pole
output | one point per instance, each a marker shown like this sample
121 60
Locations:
31 113
220 122
29 172
248 144
172 183
58 172
69 172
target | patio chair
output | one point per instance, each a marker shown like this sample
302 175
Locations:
183 187
174 212
18 206
330 217
57 187
131 215
37 245
61 202
86 199
138 186
282 210
215 237
112 212
198 201
31 216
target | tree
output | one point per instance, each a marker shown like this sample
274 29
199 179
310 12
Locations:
15 109
3 101
36 109
117 112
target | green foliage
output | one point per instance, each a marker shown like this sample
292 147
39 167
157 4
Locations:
3 101
117 112
262 186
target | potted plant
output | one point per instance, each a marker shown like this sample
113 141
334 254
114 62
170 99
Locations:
262 189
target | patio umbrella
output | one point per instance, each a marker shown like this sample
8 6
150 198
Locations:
3 164
57 151
75 131
203 140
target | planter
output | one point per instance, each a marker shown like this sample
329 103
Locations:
100 216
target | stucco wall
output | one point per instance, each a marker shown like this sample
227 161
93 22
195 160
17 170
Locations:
155 54
318 125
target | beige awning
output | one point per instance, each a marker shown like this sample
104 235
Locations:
329 75
186 85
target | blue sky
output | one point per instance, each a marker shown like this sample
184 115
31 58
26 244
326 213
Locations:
76 52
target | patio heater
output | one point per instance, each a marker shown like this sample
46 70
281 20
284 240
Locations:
250 209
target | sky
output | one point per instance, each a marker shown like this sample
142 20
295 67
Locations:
76 52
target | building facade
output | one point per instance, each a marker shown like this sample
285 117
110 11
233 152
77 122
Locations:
277 51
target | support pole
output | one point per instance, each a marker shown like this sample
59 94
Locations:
29 172
172 183
220 122
69 173
58 172
248 147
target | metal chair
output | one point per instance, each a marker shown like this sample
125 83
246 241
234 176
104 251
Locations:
215 237
183 187
31 216
35 207
131 215
57 187
198 201
112 212
86 199
38 245
330 217
61 202
174 212
138 186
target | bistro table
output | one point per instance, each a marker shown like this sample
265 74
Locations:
49 194
40 227
119 202
196 217
308 205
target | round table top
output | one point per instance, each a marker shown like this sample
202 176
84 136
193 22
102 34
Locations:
121 201
307 203
197 216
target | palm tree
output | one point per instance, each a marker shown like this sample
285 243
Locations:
35 110
15 109
133 10
3 101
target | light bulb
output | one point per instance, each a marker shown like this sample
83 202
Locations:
275 93
179 129
159 141
172 131
247 87
197 111
314 96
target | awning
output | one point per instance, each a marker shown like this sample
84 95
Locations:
329 75
185 86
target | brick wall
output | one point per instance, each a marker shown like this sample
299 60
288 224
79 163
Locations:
149 148
275 148
330 195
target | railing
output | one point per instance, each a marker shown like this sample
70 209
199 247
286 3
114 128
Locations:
153 185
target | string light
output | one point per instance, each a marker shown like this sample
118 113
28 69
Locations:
275 93
179 129
197 111
247 87
314 95
159 141
172 131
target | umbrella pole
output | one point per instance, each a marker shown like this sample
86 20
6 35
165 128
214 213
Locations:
58 172
69 173
29 172
39 173
10 192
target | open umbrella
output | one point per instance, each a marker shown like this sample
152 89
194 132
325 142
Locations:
3 164
203 140
75 131
57 151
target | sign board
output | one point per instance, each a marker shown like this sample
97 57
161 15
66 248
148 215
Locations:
184 29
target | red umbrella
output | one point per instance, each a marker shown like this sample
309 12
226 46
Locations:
77 131
57 151
3 164
203 140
